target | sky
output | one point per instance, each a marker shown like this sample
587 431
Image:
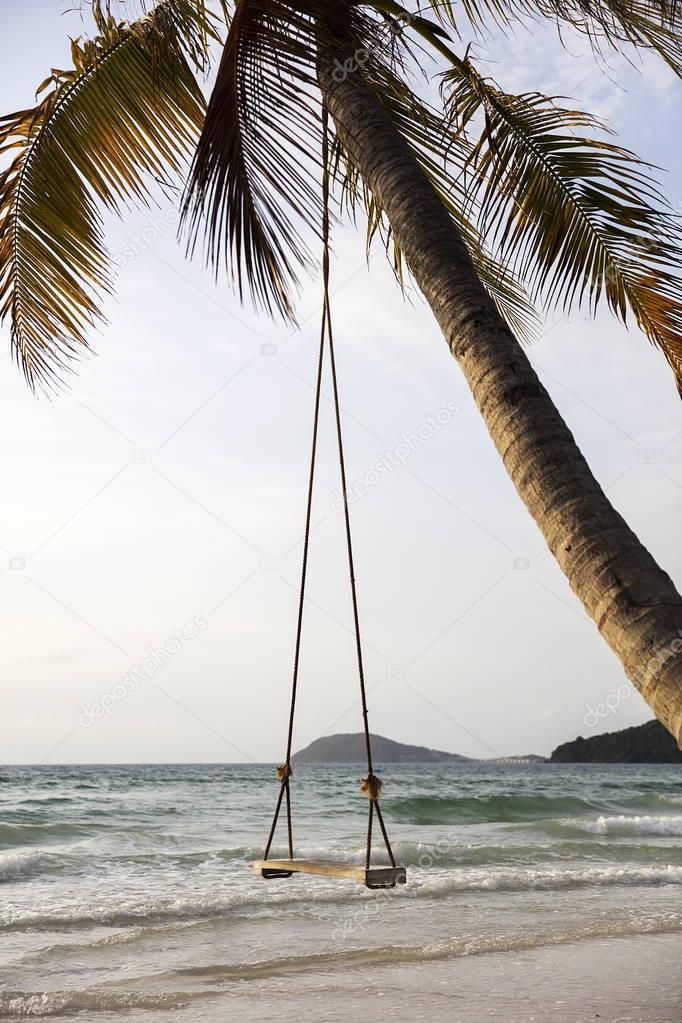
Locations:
152 515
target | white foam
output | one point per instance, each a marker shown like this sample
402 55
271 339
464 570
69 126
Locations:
17 1004
626 825
21 863
140 912
548 879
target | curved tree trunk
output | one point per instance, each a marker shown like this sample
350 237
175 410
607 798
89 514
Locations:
631 599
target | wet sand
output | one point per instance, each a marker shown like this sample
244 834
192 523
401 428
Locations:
623 980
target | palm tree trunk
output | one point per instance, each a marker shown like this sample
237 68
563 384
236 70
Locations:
631 599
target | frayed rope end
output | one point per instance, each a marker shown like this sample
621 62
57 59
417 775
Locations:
371 786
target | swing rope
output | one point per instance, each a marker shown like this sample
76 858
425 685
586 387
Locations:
371 785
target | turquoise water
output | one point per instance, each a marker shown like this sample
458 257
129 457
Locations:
128 889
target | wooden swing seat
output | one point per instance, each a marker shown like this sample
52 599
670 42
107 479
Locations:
373 877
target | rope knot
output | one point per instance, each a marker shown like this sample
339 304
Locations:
284 772
371 786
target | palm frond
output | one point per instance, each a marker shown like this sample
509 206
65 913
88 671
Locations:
254 185
645 25
194 24
579 218
651 25
128 111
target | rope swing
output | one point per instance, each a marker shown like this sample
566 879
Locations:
371 785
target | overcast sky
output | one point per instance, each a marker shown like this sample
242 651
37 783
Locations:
150 534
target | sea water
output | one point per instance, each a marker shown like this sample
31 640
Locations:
128 889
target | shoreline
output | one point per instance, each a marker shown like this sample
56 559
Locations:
634 979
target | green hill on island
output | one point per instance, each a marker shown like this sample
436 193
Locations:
349 748
644 744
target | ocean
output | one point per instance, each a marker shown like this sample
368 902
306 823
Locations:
127 890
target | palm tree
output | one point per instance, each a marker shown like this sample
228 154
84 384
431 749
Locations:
493 201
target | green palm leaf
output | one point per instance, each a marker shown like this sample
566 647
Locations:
642 24
249 180
579 218
614 24
255 180
130 110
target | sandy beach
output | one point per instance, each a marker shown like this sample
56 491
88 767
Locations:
626 980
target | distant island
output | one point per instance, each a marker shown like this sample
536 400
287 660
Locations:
650 743
349 748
